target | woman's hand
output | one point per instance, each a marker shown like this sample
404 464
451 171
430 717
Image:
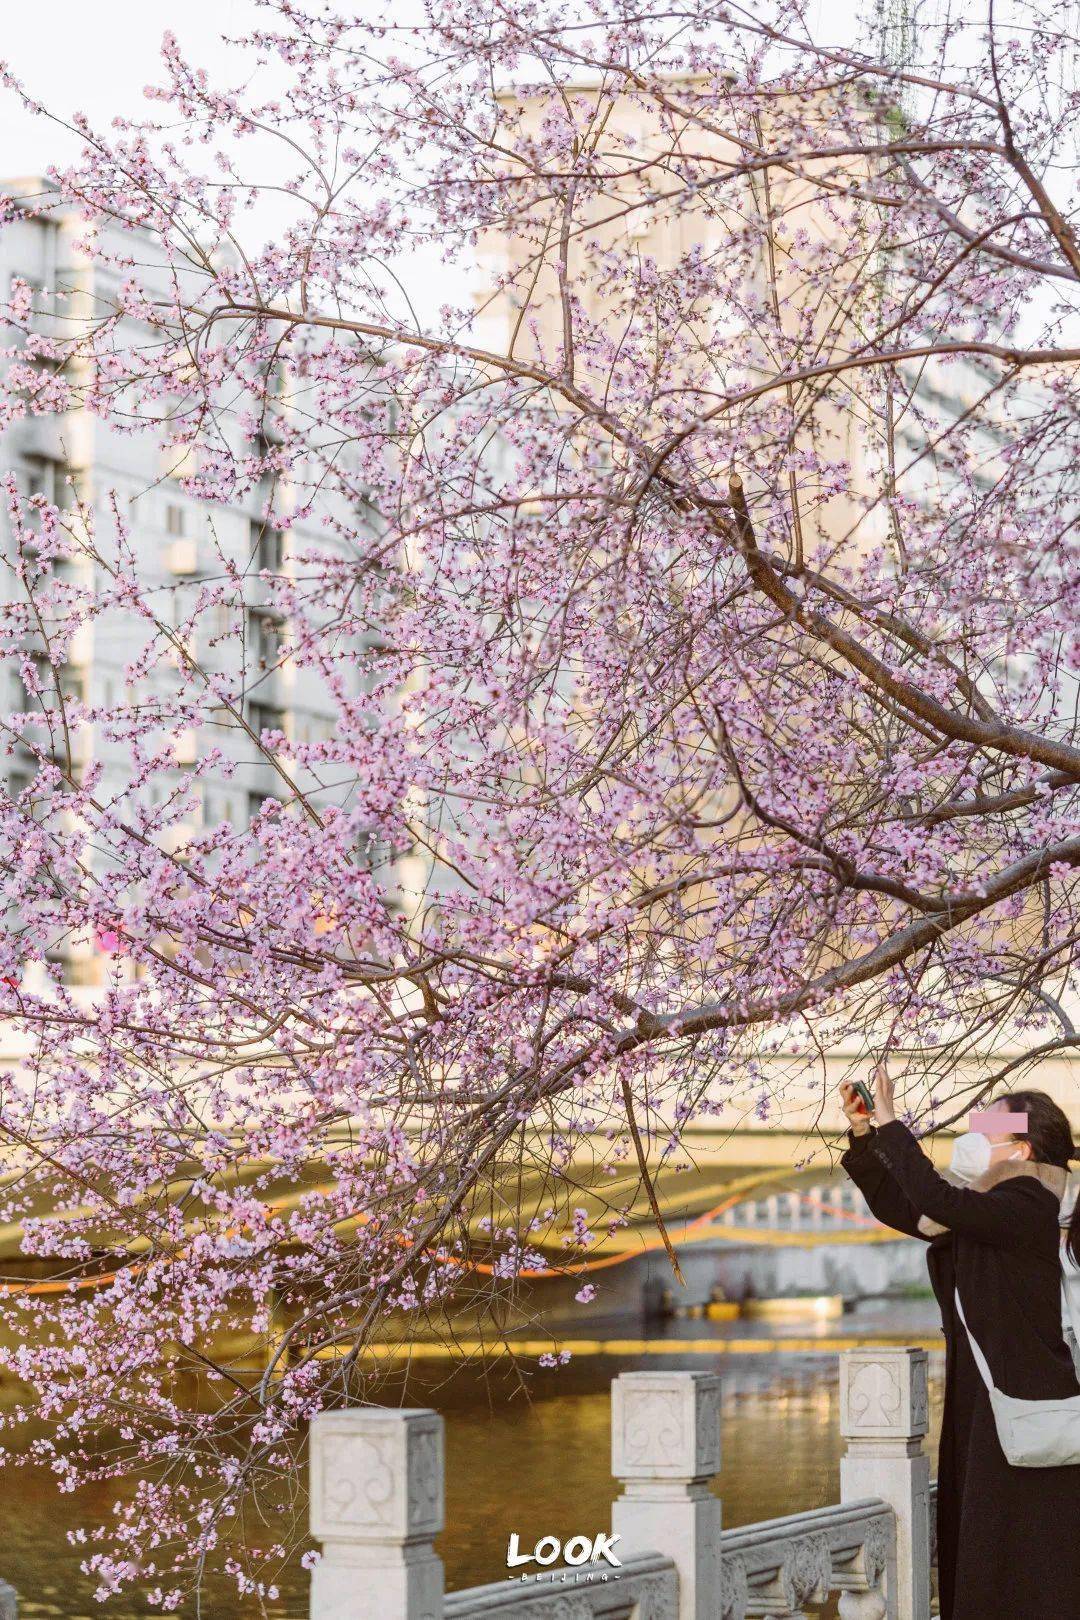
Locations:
857 1117
884 1095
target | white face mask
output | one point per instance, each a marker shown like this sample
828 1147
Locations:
972 1155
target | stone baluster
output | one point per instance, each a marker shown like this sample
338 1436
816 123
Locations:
665 1450
884 1417
376 1506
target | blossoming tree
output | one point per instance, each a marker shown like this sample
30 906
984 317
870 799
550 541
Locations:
698 605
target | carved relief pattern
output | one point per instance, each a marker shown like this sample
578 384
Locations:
707 1448
653 1428
657 1598
875 1399
565 1608
920 1398
734 1589
425 1481
648 1597
645 1597
358 1484
807 1571
875 1552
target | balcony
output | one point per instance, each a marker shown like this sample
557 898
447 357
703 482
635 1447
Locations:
186 748
182 557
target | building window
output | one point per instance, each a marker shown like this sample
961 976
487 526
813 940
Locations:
48 478
264 639
265 717
175 520
267 546
20 782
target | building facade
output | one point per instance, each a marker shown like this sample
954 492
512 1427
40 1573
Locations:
84 465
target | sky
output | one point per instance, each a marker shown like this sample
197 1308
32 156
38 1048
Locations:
96 59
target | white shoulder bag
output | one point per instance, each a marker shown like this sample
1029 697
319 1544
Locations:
1033 1434
1070 1304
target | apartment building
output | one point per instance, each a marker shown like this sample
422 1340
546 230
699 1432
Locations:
670 200
664 189
75 459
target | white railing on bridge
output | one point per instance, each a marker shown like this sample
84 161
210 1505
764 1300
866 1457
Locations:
832 1207
377 1506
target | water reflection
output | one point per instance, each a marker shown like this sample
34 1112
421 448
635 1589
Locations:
544 1468
534 1461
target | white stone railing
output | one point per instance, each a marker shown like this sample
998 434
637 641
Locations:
377 1505
647 1588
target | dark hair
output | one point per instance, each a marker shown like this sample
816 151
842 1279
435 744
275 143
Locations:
1050 1136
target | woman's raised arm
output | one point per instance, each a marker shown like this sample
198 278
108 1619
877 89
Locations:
882 1193
990 1216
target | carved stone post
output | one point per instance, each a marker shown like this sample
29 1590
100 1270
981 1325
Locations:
884 1417
665 1448
376 1505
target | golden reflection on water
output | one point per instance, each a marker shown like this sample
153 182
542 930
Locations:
538 1465
545 1469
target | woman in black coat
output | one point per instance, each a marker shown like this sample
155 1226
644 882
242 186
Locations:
1008 1538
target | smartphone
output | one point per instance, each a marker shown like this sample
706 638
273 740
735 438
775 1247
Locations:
864 1094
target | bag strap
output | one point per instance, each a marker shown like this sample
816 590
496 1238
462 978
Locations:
980 1359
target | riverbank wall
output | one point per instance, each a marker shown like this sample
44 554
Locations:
646 1286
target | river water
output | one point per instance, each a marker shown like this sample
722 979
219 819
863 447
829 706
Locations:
537 1463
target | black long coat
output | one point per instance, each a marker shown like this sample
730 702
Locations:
1008 1538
